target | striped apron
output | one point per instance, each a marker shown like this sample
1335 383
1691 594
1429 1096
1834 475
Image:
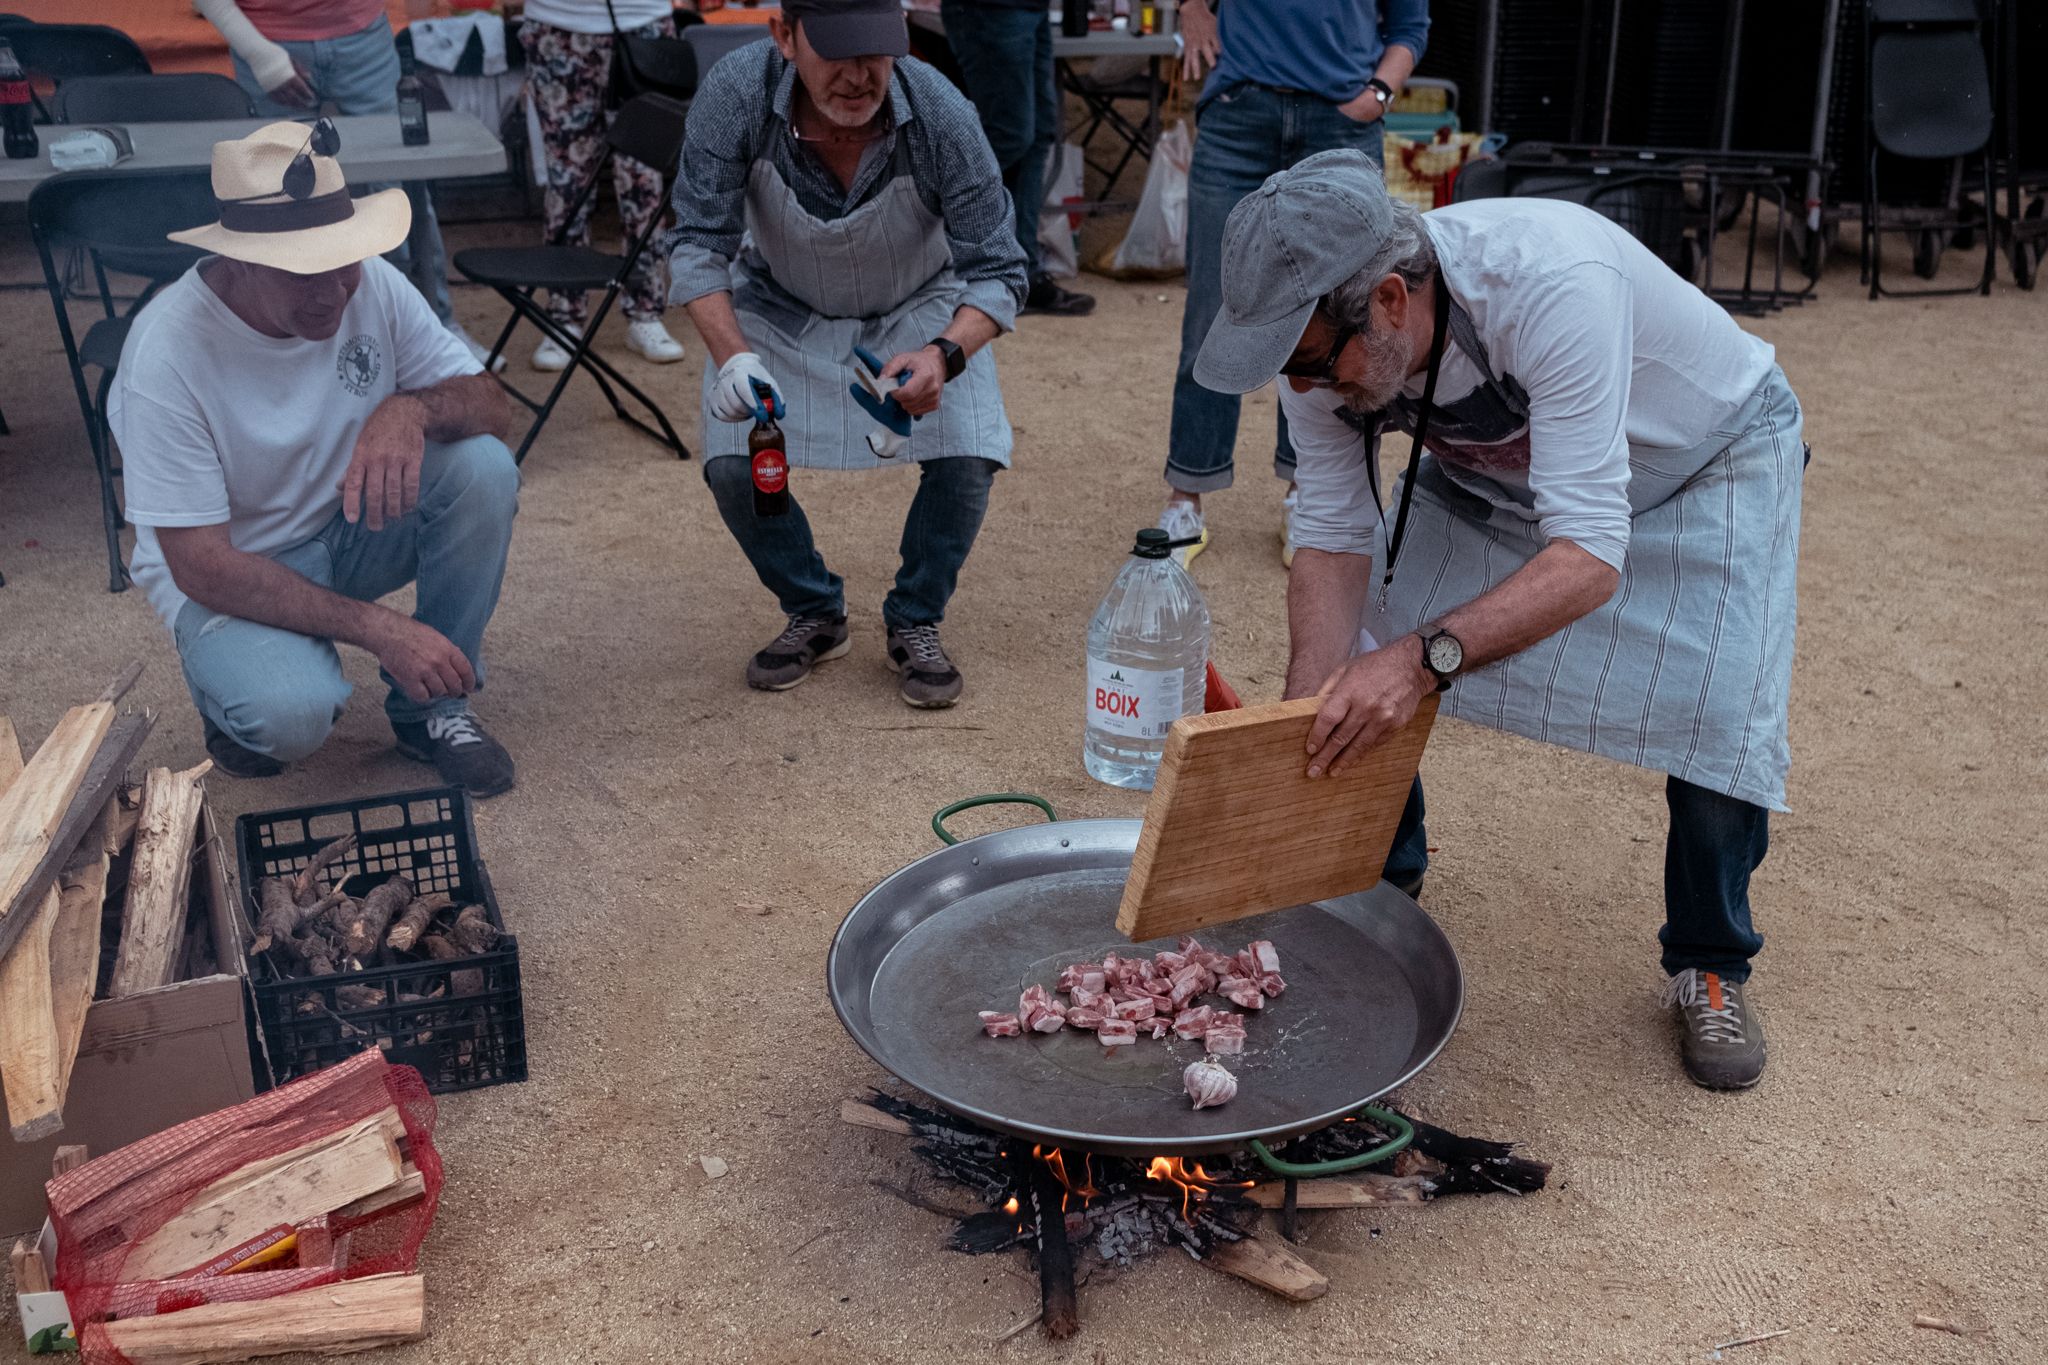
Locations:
879 277
1687 668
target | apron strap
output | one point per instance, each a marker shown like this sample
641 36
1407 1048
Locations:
1436 360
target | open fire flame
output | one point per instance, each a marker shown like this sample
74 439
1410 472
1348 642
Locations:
1190 1178
1194 1182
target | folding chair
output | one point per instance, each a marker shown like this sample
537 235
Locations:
184 96
1929 99
57 53
648 129
1107 80
709 43
119 219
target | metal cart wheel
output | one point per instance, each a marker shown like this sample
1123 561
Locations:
1927 254
2024 244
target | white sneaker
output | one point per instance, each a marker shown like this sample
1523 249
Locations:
1288 505
552 358
647 338
476 348
1182 520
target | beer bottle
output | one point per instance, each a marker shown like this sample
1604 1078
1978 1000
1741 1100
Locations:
412 100
16 116
771 469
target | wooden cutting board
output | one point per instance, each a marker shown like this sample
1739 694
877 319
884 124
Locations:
1236 828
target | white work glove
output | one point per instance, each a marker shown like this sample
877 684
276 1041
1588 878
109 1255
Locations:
270 64
734 396
886 443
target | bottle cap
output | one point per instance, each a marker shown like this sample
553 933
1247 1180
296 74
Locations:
1152 544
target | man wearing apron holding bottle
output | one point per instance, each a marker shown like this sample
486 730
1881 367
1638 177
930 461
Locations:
833 195
1599 549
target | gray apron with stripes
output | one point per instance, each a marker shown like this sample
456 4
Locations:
879 277
1687 668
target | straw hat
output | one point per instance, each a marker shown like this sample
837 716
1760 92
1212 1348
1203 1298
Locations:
321 229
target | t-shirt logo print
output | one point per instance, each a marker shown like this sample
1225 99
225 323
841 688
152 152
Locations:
359 363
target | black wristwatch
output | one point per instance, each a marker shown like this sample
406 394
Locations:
1442 655
950 352
1385 92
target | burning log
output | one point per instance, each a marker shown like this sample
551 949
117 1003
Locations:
1046 1212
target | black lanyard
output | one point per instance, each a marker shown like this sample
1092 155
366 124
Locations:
1436 359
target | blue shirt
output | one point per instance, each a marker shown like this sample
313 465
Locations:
1326 47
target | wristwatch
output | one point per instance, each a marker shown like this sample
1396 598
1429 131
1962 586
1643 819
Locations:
1442 655
950 352
1384 91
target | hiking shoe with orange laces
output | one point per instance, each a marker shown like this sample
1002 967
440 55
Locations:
1722 1042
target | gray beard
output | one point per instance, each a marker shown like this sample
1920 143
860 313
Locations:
1386 373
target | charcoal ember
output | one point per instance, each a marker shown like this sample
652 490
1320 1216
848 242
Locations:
982 1233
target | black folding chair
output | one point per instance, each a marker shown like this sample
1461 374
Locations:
55 53
1929 100
648 129
119 219
710 43
1106 81
171 97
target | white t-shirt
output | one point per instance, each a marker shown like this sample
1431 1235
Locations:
588 16
220 423
1633 380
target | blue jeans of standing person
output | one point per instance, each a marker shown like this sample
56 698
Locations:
1245 133
279 693
1005 57
944 519
1714 844
358 74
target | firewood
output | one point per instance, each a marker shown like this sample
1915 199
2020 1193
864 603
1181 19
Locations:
358 997
411 1185
159 878
282 915
1271 1267
306 884
31 1276
864 1115
317 953
465 981
354 1315
33 809
69 1158
418 915
1360 1191
362 928
127 810
473 932
29 1067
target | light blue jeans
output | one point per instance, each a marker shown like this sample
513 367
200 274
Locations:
358 74
277 692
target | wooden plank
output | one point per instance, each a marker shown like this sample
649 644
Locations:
75 938
159 881
1359 1192
31 1276
10 755
353 1315
1236 827
68 1158
411 1185
1271 1267
35 804
862 1115
284 1190
31 1074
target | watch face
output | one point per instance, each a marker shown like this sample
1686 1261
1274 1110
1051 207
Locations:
1445 654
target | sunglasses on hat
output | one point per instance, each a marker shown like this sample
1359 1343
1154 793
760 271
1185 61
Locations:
323 139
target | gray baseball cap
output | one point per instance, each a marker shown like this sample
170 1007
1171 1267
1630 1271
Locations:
1288 243
840 29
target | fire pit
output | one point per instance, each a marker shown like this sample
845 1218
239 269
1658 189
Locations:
1070 1208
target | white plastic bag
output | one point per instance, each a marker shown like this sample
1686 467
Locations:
1157 243
1059 227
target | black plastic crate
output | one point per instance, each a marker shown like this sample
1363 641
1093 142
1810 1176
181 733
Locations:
458 1042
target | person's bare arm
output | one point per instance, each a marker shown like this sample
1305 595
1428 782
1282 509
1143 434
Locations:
1397 64
208 569
383 478
1325 602
718 325
970 330
1376 693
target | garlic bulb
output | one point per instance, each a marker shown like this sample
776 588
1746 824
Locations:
1208 1084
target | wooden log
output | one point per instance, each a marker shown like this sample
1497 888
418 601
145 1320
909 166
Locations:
127 810
354 1315
159 880
362 929
1271 1267
30 1072
412 1185
463 981
11 762
1359 1192
69 1158
306 884
418 915
473 933
31 1276
33 811
75 939
1061 1317
314 1178
862 1115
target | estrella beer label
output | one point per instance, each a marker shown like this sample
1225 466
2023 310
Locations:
771 471
1137 703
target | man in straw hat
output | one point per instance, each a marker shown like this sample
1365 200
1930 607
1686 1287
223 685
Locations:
300 437
1599 549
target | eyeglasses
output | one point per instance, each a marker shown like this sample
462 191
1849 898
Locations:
1322 371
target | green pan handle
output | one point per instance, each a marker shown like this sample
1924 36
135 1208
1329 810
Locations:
992 799
1404 1133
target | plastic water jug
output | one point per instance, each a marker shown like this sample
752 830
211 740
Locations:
1148 650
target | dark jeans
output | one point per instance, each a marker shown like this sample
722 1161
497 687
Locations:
1245 134
945 517
1714 844
1005 57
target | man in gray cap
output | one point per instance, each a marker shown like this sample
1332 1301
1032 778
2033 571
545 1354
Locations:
1598 549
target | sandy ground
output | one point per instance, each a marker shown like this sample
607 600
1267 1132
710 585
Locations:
680 849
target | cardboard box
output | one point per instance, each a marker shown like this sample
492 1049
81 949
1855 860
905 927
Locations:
46 1317
151 1060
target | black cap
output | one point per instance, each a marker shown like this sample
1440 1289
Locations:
1152 544
839 29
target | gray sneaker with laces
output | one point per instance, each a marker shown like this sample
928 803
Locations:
789 658
1722 1041
460 751
927 678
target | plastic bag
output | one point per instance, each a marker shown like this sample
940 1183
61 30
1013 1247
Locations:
1059 227
1157 243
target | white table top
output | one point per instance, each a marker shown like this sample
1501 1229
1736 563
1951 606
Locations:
1100 43
370 149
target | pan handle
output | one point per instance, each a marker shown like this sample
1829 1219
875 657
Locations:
992 799
1403 1130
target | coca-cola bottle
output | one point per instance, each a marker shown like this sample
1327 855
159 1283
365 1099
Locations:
17 117
771 469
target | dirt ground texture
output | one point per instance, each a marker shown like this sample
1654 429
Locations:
680 849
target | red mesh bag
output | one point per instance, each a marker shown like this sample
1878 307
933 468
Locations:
106 1211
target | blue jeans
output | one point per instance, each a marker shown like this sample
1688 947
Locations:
1245 134
1005 57
277 692
358 74
945 517
1714 844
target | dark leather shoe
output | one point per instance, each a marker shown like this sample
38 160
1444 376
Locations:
1046 297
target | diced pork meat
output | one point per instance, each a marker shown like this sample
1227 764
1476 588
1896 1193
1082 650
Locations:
996 1024
1267 956
1243 992
1188 983
1271 983
1138 1009
1190 945
1083 998
1116 1032
1038 1012
1169 962
1242 963
1081 976
1077 1017
1192 1024
1160 1027
1225 1039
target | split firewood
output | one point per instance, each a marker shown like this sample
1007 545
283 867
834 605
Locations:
317 952
362 928
358 997
159 878
418 915
282 915
124 812
306 885
467 980
353 1315
473 932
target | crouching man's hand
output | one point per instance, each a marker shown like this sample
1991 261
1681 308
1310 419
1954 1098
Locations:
383 479
1366 700
421 660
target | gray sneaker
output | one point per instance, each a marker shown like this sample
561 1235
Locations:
789 658
928 679
1723 1041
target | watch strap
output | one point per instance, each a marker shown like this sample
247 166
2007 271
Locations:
1386 92
954 356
